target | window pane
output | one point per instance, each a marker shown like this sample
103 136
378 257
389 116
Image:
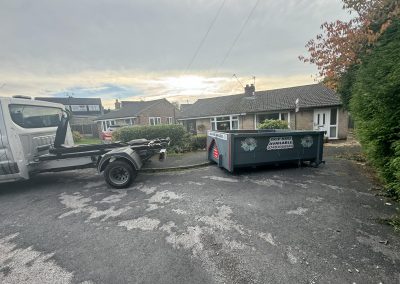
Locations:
29 116
78 108
224 118
235 124
223 125
318 119
333 116
332 132
234 118
284 116
272 116
94 107
213 126
323 118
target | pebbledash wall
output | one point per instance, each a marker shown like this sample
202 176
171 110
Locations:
302 120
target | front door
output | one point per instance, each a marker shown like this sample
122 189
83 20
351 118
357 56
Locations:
321 120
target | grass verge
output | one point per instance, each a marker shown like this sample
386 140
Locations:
88 140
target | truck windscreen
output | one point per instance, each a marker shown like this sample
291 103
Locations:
31 116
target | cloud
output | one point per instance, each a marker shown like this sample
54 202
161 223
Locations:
140 48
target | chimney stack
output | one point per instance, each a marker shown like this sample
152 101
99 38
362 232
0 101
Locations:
249 90
117 104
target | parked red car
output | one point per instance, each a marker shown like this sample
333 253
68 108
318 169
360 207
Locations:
106 136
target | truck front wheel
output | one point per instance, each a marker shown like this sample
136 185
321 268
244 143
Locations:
119 174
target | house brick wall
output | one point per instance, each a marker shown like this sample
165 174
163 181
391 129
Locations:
304 120
164 109
291 119
247 122
343 123
203 121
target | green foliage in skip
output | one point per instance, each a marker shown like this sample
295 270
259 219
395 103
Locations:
180 139
375 105
273 124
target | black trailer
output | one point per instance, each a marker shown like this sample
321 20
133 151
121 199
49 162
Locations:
244 148
119 162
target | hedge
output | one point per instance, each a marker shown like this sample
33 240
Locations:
375 105
180 139
198 142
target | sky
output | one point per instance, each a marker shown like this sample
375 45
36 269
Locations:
144 49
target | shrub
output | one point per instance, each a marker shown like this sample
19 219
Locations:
180 139
201 128
375 104
76 136
198 142
273 124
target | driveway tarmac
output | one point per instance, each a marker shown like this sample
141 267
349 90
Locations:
270 225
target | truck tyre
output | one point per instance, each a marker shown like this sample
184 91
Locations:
120 174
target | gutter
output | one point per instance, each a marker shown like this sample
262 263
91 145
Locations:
222 115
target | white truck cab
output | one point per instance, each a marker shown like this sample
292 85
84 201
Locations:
35 137
26 127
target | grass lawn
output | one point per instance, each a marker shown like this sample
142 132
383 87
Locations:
88 140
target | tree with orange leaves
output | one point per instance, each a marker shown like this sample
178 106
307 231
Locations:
342 44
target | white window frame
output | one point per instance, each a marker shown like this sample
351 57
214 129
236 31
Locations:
256 122
169 120
156 120
79 108
105 124
214 121
93 108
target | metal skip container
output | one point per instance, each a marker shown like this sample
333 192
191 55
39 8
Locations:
245 148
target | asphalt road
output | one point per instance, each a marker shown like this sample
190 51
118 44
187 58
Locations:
274 225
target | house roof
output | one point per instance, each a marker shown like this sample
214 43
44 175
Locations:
184 106
71 100
129 109
315 95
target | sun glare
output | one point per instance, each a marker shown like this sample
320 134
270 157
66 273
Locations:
187 83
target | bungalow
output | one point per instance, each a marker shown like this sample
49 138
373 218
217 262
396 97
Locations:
138 113
309 107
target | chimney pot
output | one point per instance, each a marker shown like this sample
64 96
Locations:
117 104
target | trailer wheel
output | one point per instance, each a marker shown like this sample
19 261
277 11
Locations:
119 174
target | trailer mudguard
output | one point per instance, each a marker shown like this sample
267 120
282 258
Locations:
123 153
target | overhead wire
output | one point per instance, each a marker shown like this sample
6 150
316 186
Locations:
237 36
205 37
234 41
